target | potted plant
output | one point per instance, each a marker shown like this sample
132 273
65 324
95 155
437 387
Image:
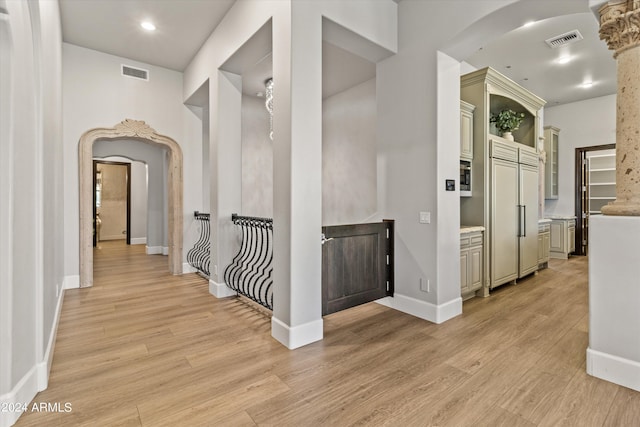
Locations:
506 122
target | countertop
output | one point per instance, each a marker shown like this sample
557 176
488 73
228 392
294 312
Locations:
561 217
544 221
470 228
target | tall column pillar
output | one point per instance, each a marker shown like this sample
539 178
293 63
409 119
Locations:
620 28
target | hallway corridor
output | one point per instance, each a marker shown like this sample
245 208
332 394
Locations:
143 347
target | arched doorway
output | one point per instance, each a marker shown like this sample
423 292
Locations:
134 130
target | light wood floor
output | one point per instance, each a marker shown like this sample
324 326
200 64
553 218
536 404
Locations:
145 348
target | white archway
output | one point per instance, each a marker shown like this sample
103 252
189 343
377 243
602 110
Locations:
136 130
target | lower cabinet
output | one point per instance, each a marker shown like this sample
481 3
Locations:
563 232
471 263
544 244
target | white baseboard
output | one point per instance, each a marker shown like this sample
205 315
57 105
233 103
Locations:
23 393
296 336
614 369
157 250
187 268
104 238
423 309
44 367
71 282
220 290
138 240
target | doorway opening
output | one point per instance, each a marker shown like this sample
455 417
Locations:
111 201
595 187
134 130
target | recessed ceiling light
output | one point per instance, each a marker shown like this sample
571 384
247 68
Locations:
587 84
528 23
564 59
148 25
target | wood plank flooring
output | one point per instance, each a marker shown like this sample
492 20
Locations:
144 348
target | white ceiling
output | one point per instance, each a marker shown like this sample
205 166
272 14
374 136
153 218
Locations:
112 26
523 56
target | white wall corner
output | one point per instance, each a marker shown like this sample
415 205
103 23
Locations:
138 240
220 290
188 268
614 369
71 282
44 367
23 393
293 337
423 309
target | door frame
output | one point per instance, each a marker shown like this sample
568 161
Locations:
581 183
136 130
128 213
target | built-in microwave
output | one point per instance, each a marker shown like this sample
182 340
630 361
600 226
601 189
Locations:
465 178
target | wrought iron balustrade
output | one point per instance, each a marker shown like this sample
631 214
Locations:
250 272
199 256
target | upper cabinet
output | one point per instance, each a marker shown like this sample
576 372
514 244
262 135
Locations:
551 137
491 93
466 130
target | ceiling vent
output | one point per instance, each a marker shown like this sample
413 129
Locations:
136 73
564 39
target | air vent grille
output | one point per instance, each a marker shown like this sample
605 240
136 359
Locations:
137 73
564 39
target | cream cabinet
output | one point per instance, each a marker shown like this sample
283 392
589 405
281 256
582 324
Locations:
563 232
504 172
551 137
466 130
471 263
544 243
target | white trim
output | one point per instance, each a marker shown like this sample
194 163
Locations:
187 268
154 250
165 250
296 336
22 393
615 369
105 237
220 290
71 282
138 240
423 309
44 367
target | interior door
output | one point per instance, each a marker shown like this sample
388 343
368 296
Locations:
528 229
357 264
504 221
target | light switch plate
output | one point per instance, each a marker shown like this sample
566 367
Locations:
425 217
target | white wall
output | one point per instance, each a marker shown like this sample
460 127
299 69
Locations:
581 124
97 95
257 159
348 157
349 190
31 211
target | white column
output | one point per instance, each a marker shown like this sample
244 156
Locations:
297 186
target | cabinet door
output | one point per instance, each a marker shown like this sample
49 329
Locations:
504 221
540 248
546 241
528 219
571 239
466 135
464 270
475 268
557 236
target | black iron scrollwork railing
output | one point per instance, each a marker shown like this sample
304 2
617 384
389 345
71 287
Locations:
199 256
250 272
